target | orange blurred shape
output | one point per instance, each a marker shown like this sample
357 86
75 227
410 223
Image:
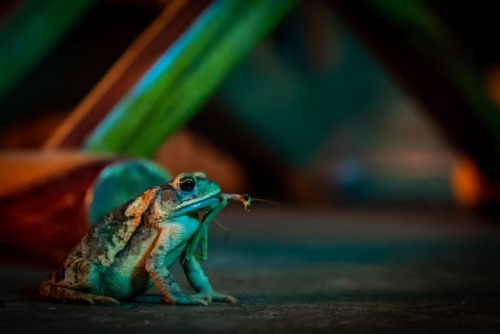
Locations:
470 188
42 202
466 183
492 82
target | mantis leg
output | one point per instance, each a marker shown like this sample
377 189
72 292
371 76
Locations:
200 237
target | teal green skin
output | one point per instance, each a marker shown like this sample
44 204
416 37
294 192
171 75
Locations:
132 247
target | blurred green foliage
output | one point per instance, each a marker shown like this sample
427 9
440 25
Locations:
173 90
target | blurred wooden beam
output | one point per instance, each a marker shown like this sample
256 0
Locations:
176 17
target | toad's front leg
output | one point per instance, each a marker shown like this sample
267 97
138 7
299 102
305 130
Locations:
201 284
157 268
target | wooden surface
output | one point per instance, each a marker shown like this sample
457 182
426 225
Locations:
372 271
22 169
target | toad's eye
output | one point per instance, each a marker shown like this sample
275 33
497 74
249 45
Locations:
187 183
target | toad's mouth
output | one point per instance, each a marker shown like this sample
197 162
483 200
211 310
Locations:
196 205
210 203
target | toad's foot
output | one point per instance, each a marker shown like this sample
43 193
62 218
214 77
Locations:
186 300
66 295
214 296
92 299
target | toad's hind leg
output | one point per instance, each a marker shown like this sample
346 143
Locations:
64 294
73 283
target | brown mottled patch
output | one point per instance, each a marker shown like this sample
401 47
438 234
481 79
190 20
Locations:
112 234
137 207
59 274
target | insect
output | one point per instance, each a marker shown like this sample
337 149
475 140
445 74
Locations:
133 246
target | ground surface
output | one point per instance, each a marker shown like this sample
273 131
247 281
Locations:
348 272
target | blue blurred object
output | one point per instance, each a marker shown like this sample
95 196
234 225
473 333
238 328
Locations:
120 182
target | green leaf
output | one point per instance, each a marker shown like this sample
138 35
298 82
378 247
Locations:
185 76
